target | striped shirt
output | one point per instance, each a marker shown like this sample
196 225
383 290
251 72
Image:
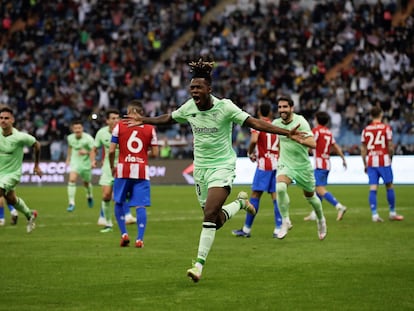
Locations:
134 143
377 136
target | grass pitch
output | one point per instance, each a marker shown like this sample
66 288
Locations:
67 264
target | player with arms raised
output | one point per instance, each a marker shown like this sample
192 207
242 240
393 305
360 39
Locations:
211 120
377 151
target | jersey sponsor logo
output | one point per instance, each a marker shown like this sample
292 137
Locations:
132 159
205 130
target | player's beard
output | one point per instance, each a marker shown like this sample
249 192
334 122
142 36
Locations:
285 116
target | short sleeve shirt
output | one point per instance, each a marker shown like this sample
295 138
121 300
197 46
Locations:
12 152
103 139
85 142
324 142
292 154
212 131
377 136
133 143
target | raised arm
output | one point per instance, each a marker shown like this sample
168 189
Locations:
264 126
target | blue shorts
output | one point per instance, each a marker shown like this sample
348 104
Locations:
374 174
264 181
321 177
138 191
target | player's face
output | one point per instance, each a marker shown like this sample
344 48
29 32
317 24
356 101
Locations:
77 129
6 120
285 111
200 92
112 120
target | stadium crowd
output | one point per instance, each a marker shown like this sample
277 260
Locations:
73 59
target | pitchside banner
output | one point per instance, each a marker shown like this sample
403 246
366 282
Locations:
180 172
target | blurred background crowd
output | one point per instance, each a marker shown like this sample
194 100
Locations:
63 60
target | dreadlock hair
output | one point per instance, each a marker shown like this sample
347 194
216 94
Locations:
201 69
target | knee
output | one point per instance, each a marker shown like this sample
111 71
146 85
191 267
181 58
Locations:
210 215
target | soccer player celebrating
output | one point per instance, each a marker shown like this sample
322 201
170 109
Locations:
377 151
80 145
264 150
294 164
325 141
12 143
212 120
131 172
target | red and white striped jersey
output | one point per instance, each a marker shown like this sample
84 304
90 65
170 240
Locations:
324 142
267 149
134 143
377 136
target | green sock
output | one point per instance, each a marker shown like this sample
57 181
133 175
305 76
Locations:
89 190
317 206
207 236
107 211
283 199
71 192
231 209
22 207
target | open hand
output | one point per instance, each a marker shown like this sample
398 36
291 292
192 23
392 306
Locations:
133 119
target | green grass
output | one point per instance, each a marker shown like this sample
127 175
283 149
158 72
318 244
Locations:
67 264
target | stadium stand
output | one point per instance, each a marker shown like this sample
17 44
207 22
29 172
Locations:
69 59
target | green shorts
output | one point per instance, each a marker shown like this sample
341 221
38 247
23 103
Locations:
205 178
9 182
85 174
106 179
304 178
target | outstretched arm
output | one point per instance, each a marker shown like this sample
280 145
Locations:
264 126
136 119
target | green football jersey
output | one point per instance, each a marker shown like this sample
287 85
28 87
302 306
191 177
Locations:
103 139
292 154
12 152
212 131
78 161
